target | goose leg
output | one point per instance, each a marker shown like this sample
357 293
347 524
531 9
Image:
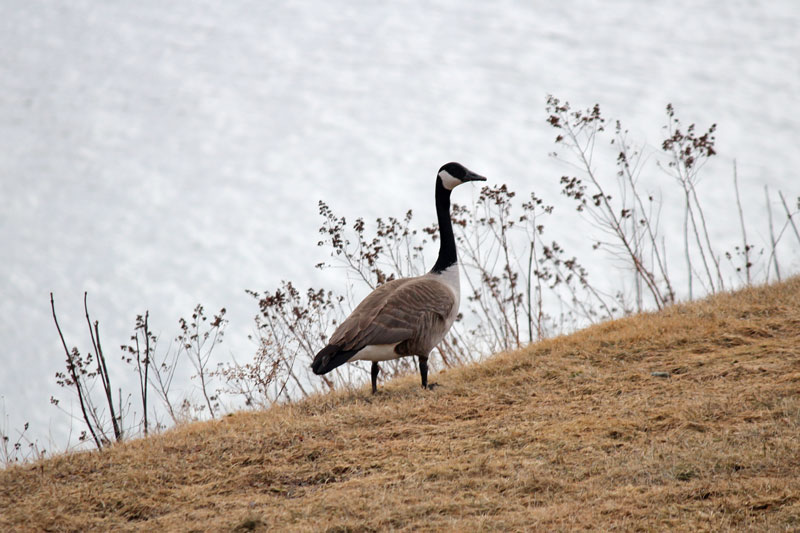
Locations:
375 370
423 372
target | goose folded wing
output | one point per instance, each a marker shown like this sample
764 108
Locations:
393 313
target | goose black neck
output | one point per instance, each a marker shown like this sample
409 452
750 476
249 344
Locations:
447 243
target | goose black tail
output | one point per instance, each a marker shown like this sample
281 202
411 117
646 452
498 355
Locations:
329 358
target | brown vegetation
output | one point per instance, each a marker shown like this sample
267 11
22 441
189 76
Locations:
581 431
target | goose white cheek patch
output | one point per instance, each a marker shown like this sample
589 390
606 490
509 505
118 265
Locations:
448 180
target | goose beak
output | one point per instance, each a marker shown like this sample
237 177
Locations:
471 176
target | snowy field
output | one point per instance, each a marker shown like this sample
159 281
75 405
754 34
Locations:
163 154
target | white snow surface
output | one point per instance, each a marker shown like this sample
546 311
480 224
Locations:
159 154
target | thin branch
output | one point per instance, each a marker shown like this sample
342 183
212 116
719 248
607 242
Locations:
74 375
773 255
789 215
746 249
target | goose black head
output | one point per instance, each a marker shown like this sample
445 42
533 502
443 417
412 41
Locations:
454 174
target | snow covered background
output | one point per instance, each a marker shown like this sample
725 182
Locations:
163 154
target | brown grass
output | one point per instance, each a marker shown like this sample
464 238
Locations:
571 433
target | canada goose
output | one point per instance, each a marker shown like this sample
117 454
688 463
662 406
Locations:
405 316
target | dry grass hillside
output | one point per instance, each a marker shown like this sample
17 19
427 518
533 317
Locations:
571 433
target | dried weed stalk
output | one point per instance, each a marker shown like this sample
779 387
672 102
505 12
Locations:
197 339
290 326
81 373
629 220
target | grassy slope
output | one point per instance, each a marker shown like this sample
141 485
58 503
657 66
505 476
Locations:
569 433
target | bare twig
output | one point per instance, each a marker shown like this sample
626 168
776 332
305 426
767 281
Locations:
102 370
773 241
71 368
686 253
789 215
746 246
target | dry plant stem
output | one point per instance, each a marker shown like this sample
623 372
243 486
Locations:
689 152
290 325
455 344
146 367
11 451
687 254
575 299
143 373
302 340
488 315
746 247
528 296
486 245
790 216
289 365
205 392
102 370
540 316
550 254
99 423
651 233
594 292
502 238
773 241
704 227
102 358
637 277
73 374
687 189
163 382
201 365
196 345
532 229
119 405
609 218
